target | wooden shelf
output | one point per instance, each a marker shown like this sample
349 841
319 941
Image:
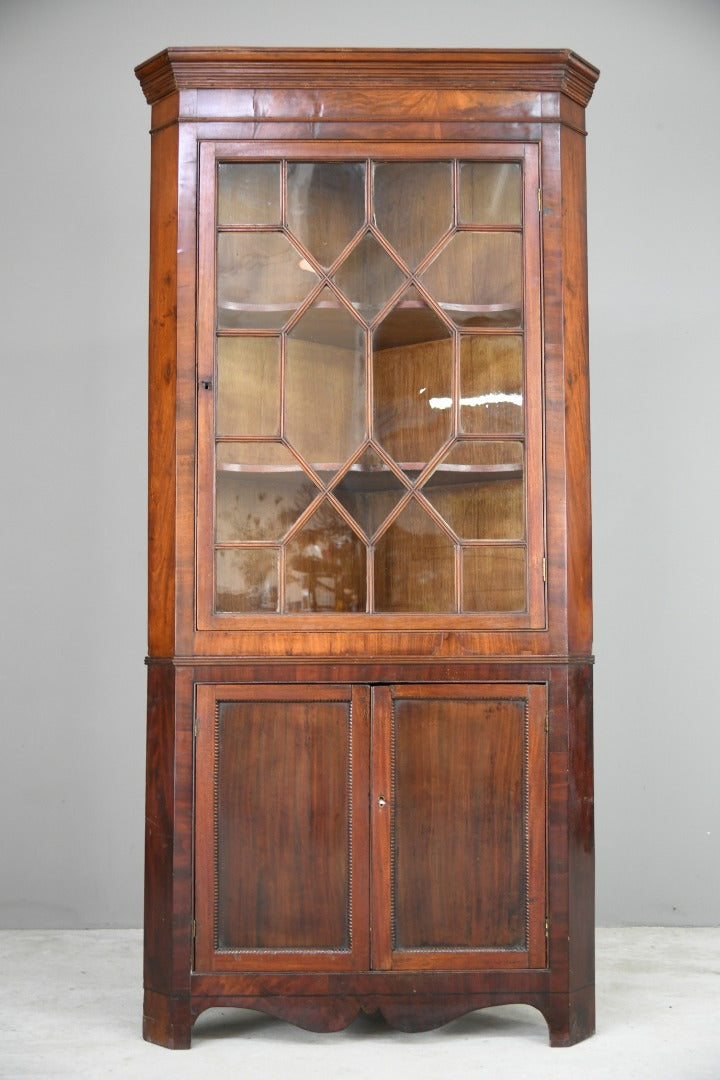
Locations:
367 480
411 322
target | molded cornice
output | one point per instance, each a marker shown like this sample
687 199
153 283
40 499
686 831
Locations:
549 70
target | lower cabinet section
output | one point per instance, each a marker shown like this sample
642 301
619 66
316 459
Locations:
331 847
346 828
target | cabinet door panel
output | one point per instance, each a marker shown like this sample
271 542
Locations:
459 828
410 285
280 822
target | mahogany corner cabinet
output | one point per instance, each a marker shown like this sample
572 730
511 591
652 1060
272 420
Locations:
369 778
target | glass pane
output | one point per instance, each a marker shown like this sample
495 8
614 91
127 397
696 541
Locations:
249 194
325 565
369 490
413 205
412 384
369 277
477 279
261 490
261 280
325 385
246 579
415 565
491 384
494 579
410 322
326 205
478 488
490 193
248 386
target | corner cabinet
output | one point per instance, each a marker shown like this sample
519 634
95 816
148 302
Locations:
369 779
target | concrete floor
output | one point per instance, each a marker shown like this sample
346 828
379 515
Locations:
71 1007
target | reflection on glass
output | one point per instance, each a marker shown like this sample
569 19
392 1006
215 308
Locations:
368 277
490 193
414 565
325 565
248 386
246 579
325 205
325 385
369 490
494 578
477 279
501 457
491 384
413 205
478 488
261 490
407 378
248 194
261 279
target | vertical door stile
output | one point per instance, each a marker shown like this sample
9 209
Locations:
537 823
381 808
206 383
204 914
359 781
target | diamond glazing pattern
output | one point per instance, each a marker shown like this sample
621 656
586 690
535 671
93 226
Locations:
368 281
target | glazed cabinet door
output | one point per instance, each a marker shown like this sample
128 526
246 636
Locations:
281 828
459 808
369 389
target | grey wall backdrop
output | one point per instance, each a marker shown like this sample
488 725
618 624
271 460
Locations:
74 230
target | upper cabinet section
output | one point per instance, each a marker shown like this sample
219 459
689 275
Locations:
368 352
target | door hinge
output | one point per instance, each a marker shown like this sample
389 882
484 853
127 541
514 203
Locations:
547 723
193 929
539 201
547 928
196 726
544 569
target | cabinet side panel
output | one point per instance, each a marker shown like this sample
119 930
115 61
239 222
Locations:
159 821
185 417
581 868
162 392
577 407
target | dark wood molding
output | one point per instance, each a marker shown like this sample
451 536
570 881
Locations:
410 1011
318 664
558 70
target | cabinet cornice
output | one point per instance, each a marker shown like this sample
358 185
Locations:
547 70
